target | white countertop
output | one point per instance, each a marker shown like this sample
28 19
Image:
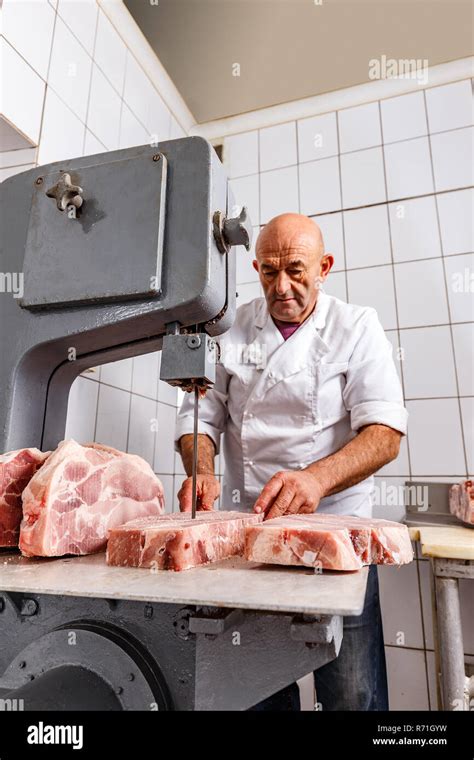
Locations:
231 583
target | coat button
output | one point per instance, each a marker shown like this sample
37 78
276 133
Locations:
250 463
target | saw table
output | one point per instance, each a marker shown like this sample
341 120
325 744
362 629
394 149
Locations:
78 634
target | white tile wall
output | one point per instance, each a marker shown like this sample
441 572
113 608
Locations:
407 679
467 415
246 193
245 270
132 132
118 374
403 117
463 338
421 293
92 144
142 428
359 127
82 409
450 106
408 168
241 154
363 179
401 613
138 90
368 238
414 229
317 137
110 53
56 144
459 279
145 375
24 112
336 285
81 18
333 235
320 189
374 287
456 218
104 110
278 146
430 372
28 27
164 452
433 423
70 71
453 159
278 193
113 413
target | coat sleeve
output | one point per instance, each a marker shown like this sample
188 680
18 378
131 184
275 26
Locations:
212 411
373 393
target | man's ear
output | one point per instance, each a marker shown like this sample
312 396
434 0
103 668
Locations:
326 265
255 264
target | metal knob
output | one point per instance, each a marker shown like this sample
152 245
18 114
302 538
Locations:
65 193
229 232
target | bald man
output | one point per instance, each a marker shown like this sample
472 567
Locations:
309 406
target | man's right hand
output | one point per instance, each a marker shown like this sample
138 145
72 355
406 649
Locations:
208 490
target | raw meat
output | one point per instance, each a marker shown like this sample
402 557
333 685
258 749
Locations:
16 470
329 542
461 501
80 493
177 542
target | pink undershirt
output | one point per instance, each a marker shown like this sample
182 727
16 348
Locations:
286 328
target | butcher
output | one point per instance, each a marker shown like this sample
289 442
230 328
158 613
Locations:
309 406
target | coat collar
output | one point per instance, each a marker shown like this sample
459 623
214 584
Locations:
284 358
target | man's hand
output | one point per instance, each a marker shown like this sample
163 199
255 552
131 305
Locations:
287 493
207 491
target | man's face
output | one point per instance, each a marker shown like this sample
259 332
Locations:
291 264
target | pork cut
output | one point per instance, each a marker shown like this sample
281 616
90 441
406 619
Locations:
177 542
328 542
16 470
461 501
81 492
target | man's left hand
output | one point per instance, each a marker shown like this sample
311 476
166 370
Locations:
289 493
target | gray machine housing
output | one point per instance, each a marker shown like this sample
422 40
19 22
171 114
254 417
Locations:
109 279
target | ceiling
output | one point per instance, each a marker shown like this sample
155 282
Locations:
292 49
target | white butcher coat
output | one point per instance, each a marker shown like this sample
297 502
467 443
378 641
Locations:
280 405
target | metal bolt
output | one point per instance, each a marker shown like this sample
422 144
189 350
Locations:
29 607
156 157
22 664
39 181
131 677
118 690
193 341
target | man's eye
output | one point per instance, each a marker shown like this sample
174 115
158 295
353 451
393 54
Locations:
295 271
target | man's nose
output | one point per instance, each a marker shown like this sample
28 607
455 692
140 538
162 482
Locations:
283 283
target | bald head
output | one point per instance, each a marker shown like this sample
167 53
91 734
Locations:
292 263
290 233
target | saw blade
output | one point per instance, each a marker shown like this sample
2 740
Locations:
195 450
